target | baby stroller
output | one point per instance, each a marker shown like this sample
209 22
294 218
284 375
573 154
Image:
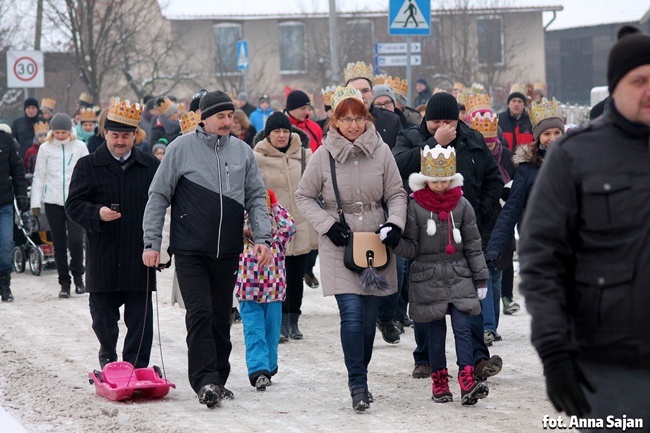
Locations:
32 244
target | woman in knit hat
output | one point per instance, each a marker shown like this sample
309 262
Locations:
56 160
548 126
282 153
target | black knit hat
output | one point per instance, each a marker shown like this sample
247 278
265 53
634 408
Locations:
297 99
514 95
215 102
275 121
30 102
441 106
631 51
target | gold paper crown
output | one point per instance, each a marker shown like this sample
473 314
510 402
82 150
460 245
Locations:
48 103
485 123
438 162
88 114
327 95
189 121
342 93
86 97
124 112
358 70
518 88
474 103
164 105
400 87
41 128
544 109
380 79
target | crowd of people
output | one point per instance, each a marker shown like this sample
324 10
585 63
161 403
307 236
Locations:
258 193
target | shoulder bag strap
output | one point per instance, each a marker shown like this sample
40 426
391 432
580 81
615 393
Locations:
302 160
336 190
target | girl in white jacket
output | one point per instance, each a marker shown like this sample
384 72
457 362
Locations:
56 159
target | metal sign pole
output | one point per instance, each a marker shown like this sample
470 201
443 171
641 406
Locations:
408 70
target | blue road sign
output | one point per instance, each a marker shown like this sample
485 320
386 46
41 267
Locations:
409 17
242 55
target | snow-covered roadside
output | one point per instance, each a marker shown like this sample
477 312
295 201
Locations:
48 347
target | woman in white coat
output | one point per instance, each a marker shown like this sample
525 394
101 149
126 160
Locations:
56 160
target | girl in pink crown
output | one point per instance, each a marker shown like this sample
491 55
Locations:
449 274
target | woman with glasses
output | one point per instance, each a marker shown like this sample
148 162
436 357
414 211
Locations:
366 175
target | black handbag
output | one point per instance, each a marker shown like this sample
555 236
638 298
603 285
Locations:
364 250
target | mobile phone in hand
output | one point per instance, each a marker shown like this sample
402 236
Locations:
115 207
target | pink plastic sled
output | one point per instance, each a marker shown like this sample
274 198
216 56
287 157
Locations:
113 381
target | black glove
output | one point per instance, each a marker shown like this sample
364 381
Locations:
393 236
563 379
338 234
491 257
23 204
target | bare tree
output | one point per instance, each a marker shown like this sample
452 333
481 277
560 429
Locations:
11 37
117 41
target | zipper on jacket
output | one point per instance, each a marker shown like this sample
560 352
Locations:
227 178
216 146
63 162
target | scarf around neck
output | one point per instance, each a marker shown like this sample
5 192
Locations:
443 205
497 152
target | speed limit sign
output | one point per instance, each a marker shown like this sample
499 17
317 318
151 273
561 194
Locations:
25 69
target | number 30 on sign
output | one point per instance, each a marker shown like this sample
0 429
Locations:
25 69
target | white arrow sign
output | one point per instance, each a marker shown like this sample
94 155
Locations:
416 60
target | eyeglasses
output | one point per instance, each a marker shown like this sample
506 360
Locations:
384 105
349 120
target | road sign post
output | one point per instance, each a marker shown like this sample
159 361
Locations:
409 18
243 61
25 69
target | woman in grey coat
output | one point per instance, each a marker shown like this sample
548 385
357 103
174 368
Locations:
366 175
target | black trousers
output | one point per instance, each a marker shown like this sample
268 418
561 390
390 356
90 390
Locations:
105 313
311 261
207 287
296 267
66 235
507 281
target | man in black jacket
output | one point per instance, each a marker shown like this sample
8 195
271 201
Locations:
12 183
23 127
482 188
108 194
585 261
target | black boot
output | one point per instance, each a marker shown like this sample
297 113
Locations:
79 286
5 291
294 332
284 329
65 291
360 399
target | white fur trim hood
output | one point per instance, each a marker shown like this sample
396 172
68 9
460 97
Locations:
417 181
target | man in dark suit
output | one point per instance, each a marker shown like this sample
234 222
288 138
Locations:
108 194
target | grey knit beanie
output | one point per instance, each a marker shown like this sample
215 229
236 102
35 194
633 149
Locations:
60 122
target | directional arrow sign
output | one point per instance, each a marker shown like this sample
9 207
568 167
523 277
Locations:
416 60
398 48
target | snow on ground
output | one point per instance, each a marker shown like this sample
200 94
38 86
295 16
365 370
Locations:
47 347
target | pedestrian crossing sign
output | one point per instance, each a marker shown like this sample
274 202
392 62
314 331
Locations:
409 17
242 55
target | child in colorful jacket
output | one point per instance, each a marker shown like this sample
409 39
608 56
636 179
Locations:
260 292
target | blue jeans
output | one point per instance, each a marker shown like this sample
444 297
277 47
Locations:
358 319
261 335
462 336
492 302
479 349
6 239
